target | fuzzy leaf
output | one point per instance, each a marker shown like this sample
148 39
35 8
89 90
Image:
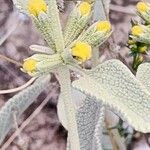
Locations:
75 25
21 5
19 103
90 123
53 14
114 85
77 98
43 24
143 73
42 49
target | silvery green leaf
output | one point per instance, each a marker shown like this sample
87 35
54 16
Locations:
42 49
21 5
77 98
43 24
89 114
47 66
42 57
143 73
94 37
90 123
75 25
53 15
19 103
114 85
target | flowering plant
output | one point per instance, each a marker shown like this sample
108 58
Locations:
109 85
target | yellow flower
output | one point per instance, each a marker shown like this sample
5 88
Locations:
84 8
36 6
136 30
142 7
82 51
29 65
104 26
142 48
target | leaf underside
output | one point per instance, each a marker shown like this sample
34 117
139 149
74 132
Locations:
90 120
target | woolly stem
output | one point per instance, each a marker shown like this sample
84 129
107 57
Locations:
65 83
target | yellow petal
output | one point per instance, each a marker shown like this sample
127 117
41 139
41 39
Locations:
143 48
29 65
84 8
136 30
82 51
104 26
36 6
142 7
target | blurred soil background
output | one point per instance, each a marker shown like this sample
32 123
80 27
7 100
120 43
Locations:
45 131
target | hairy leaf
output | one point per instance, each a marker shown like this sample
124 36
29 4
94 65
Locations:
53 14
143 73
75 25
90 123
114 85
19 103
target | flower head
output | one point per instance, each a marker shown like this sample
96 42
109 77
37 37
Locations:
82 51
84 8
36 6
143 48
103 26
142 7
136 30
29 65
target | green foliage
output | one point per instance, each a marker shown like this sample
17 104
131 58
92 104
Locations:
110 84
114 85
19 103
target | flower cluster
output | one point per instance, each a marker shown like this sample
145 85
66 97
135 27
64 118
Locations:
73 40
139 39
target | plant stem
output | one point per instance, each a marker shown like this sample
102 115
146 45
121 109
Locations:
65 83
10 60
18 88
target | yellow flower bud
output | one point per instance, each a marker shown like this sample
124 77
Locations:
29 65
142 48
131 42
103 26
36 6
142 7
82 51
84 8
136 30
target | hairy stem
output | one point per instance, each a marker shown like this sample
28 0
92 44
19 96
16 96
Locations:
65 83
